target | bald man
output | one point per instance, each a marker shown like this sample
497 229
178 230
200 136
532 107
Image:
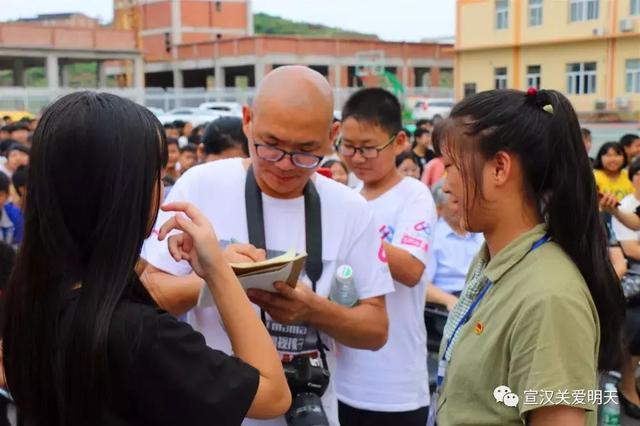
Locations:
289 129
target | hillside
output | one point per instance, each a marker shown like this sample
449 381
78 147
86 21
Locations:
274 25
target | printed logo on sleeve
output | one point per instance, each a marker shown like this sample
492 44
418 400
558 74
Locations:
386 234
423 227
418 236
408 240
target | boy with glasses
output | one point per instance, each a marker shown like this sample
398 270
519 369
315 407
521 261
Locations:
390 386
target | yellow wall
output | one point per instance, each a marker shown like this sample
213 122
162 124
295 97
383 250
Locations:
478 67
553 45
625 49
479 28
624 10
556 23
479 22
553 61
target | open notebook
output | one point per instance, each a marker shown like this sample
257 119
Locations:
286 267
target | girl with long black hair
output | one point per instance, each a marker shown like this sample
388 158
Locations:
84 343
542 308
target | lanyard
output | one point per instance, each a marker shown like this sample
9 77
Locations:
442 367
312 222
313 234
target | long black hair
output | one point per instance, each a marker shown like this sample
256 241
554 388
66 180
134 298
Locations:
93 184
617 147
542 130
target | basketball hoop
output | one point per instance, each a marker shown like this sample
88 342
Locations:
370 63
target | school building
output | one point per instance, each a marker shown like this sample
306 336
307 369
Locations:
170 53
206 43
587 49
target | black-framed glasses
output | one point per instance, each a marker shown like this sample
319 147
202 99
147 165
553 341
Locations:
369 152
304 160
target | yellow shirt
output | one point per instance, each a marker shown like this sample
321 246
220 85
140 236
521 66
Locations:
536 331
619 187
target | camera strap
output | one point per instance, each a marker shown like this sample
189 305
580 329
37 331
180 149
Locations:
313 234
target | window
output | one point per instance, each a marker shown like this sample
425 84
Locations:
633 76
581 78
533 76
502 14
535 13
501 78
584 10
218 6
422 76
635 7
446 77
469 89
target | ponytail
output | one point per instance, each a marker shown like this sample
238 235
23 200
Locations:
582 235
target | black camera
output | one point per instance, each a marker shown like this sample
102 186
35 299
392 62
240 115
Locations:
308 380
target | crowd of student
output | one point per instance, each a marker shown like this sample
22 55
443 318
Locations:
616 168
471 213
15 148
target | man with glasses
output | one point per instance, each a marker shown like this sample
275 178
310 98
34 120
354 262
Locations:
289 129
390 386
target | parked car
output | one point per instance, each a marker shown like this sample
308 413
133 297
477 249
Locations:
232 109
432 109
195 116
156 111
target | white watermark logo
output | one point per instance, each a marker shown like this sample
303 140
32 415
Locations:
503 394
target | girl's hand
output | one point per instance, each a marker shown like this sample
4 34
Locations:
197 244
608 203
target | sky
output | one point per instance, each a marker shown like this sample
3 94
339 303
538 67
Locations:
398 20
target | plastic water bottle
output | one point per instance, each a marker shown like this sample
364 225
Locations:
343 290
611 411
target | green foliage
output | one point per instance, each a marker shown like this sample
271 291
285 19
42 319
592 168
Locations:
268 24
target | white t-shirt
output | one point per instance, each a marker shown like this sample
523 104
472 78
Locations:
3 169
395 378
622 233
348 237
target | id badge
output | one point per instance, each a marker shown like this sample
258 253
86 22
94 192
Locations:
442 371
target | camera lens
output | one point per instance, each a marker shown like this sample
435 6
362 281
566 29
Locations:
306 410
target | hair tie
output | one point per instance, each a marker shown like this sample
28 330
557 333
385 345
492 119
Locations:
532 96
